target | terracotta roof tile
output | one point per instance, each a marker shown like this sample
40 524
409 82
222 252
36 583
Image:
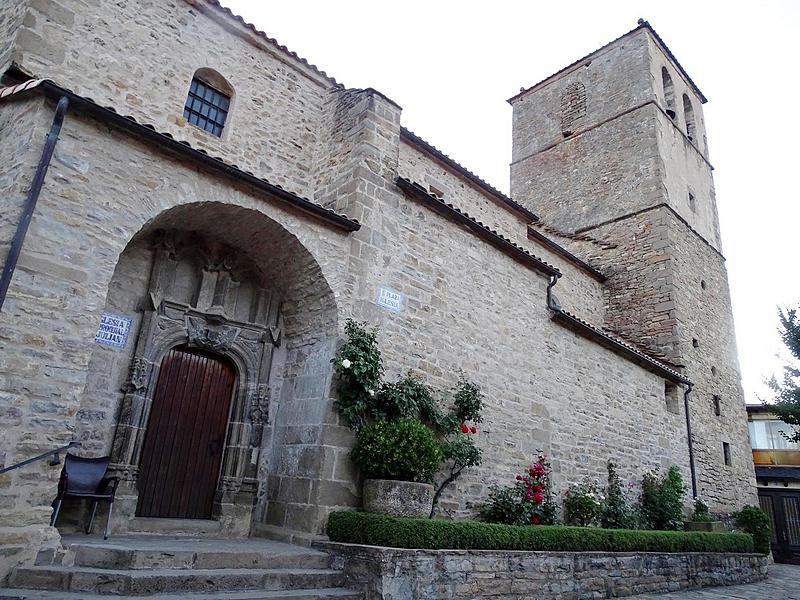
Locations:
50 88
621 344
485 186
492 235
230 14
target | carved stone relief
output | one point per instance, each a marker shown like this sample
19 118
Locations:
197 290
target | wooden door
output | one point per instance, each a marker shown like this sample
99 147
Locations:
182 452
783 508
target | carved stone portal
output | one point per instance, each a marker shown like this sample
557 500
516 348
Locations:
204 295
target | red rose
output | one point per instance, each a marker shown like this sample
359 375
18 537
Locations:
519 477
538 488
538 497
535 519
473 429
464 428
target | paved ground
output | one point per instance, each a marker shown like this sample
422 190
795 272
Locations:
783 584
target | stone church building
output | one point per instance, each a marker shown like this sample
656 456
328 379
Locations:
215 208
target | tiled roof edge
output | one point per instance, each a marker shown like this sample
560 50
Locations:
566 254
166 141
475 179
618 345
642 24
273 42
490 235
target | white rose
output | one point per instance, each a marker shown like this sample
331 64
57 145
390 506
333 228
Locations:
371 392
346 364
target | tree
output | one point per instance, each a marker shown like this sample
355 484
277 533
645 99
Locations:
787 391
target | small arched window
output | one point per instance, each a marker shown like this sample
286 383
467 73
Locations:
669 92
688 116
209 101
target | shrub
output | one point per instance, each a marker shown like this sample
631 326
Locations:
582 505
528 501
662 500
701 513
755 521
405 450
616 513
407 398
364 398
436 534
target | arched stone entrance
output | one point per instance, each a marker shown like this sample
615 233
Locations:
227 283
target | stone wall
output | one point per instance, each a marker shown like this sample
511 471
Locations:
467 306
26 124
615 80
10 19
395 574
454 189
470 307
578 291
103 187
620 173
703 307
37 347
114 53
637 170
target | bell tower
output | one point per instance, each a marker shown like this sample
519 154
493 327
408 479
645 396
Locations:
613 146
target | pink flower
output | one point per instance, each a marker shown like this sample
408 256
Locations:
519 477
538 498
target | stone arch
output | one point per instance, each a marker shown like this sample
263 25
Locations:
573 107
215 79
210 102
688 117
290 310
669 92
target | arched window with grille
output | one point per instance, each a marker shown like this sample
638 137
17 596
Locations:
208 102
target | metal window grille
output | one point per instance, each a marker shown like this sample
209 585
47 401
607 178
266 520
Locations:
206 107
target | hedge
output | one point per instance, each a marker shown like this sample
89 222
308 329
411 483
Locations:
438 534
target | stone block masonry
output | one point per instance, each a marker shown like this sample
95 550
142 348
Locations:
397 574
467 306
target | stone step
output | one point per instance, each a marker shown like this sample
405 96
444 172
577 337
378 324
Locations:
301 594
160 581
163 526
144 553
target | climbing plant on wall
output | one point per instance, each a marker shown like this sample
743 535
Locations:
365 398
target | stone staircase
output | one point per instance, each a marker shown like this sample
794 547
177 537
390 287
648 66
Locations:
172 568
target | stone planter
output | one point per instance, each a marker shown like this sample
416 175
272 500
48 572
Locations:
398 498
703 526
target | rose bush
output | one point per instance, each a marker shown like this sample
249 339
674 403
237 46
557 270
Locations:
528 501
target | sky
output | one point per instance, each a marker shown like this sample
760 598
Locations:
452 65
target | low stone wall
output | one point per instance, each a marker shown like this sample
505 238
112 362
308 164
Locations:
400 574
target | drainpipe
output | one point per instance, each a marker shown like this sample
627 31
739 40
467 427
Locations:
33 196
552 303
689 438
